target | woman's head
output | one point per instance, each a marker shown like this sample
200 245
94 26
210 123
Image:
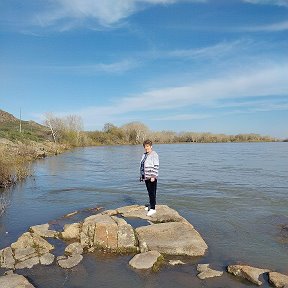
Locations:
147 144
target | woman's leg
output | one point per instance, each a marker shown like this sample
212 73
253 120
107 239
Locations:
152 188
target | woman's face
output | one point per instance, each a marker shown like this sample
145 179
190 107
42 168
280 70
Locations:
147 148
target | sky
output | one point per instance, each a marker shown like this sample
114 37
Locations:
218 66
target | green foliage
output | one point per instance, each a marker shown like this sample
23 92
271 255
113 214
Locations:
135 133
30 131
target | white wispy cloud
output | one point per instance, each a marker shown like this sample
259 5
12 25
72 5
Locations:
91 69
274 27
258 83
219 50
183 117
106 13
269 2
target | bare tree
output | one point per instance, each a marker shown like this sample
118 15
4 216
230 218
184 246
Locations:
135 132
49 121
65 129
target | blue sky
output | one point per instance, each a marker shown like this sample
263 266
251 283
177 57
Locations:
217 66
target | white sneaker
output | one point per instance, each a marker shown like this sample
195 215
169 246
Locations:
151 212
146 208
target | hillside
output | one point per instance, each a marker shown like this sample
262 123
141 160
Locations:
30 130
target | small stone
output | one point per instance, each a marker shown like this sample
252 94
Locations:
278 280
206 272
71 214
176 262
143 247
70 261
202 267
74 248
145 260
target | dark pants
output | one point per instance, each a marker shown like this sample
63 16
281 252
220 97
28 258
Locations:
151 188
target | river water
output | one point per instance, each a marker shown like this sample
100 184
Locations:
235 195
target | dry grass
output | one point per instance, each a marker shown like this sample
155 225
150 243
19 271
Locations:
15 159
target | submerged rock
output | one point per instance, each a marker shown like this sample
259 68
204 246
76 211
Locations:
278 280
206 272
14 281
70 261
176 262
145 260
250 273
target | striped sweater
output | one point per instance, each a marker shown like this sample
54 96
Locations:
151 165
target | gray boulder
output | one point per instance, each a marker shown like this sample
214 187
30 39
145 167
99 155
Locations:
206 272
175 238
14 281
107 232
250 273
74 248
145 260
71 231
278 280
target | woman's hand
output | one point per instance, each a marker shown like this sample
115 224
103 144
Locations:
152 179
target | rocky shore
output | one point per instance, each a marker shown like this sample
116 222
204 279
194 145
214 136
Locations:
164 234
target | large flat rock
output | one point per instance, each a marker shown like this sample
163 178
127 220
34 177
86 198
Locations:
175 238
163 213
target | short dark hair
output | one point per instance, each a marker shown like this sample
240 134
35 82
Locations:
147 142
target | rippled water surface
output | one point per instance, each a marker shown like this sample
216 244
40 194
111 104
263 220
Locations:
234 194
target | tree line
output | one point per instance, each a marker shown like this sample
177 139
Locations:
69 129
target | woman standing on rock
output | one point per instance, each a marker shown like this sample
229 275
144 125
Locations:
149 166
